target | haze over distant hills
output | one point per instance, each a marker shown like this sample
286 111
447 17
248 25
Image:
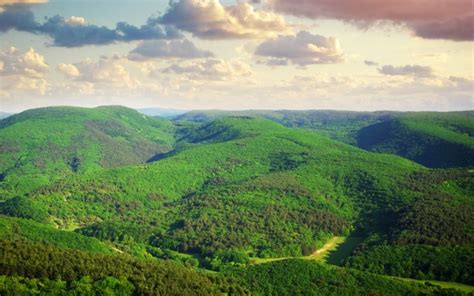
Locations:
163 112
4 115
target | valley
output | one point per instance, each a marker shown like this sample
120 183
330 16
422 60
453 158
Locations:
248 202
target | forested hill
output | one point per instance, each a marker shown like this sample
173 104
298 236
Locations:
433 139
113 200
39 145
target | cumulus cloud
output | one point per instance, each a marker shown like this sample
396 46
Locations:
301 49
23 71
211 20
106 71
435 19
15 62
408 70
75 32
17 84
76 20
211 69
68 69
184 49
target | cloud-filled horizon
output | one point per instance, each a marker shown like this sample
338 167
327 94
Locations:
238 54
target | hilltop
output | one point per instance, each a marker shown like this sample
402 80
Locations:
40 145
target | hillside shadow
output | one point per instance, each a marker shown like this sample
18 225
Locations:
337 256
160 156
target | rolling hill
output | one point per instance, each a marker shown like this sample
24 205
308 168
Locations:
310 187
41 145
432 139
214 192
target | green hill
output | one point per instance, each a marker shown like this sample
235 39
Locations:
40 145
429 138
431 238
27 230
33 268
338 125
217 192
241 183
432 139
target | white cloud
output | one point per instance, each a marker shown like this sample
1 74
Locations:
408 70
107 71
165 49
210 19
211 69
29 63
17 84
301 49
68 69
378 93
23 72
76 21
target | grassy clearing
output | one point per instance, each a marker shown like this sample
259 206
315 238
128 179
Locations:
327 253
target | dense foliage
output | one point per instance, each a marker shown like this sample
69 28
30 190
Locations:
433 140
429 138
14 285
430 238
117 202
302 277
19 258
256 187
22 229
451 264
40 145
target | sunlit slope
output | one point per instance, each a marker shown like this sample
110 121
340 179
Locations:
433 139
43 144
28 230
243 183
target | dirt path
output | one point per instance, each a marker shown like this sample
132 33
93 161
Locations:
319 254
323 252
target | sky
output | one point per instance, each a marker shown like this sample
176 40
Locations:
404 55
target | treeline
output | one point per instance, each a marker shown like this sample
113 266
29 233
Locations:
28 260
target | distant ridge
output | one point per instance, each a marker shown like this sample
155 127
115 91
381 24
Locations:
162 112
4 115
